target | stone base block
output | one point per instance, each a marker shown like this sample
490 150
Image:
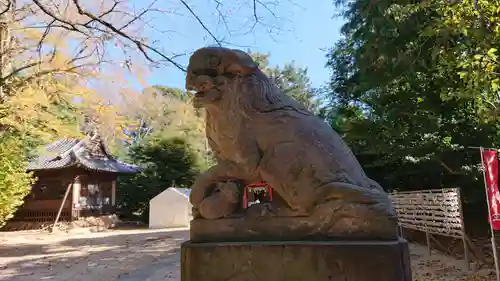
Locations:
296 261
292 229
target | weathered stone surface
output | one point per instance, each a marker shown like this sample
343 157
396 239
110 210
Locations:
320 191
278 229
257 133
296 261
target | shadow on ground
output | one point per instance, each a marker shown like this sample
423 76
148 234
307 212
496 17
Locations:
97 256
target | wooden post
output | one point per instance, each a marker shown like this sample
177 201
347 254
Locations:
76 198
428 238
464 235
401 233
478 254
61 207
427 235
493 242
113 193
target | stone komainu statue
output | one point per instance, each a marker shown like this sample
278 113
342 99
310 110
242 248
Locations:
259 134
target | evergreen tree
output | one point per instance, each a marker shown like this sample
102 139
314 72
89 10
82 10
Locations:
164 162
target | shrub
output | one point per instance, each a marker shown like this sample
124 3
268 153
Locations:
15 183
163 161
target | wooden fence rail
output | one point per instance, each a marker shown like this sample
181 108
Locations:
435 212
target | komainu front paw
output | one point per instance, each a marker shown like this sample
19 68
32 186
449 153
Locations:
230 191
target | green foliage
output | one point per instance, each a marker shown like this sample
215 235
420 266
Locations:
412 88
443 41
473 27
166 112
174 92
164 161
15 183
292 80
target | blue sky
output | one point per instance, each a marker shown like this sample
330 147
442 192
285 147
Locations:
300 35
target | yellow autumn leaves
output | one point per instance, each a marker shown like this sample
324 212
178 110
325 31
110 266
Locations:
46 90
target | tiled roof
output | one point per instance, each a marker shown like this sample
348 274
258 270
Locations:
90 153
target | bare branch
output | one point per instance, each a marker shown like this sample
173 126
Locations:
83 27
221 16
19 70
100 28
7 8
140 45
44 35
72 70
72 26
200 22
110 10
448 169
138 16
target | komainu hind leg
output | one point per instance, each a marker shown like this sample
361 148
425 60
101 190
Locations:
282 168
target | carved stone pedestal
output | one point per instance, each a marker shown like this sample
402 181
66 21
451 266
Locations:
296 261
357 227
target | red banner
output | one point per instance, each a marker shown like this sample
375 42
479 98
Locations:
490 165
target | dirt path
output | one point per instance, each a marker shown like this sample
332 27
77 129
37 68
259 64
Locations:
102 256
439 267
132 255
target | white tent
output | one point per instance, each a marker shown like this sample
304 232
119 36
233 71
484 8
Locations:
171 208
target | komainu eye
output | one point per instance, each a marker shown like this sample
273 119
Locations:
209 72
213 61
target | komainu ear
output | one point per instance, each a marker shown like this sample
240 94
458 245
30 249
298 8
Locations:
245 59
239 62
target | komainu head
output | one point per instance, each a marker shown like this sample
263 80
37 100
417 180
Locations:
211 68
229 79
216 61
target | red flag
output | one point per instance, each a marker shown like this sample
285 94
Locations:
490 165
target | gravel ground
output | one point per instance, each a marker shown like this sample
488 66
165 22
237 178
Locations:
112 255
153 255
439 267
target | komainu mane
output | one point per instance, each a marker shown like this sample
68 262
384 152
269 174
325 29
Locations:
259 134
